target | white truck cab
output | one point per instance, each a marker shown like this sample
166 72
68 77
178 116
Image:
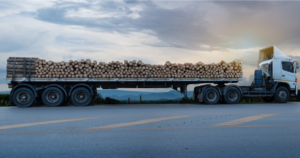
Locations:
277 66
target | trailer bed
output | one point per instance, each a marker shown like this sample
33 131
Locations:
200 80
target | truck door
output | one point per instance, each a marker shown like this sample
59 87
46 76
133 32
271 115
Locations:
288 73
277 69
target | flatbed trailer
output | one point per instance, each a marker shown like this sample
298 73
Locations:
275 79
68 85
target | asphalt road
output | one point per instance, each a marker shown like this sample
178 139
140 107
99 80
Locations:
174 130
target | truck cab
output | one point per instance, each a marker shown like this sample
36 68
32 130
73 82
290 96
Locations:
278 68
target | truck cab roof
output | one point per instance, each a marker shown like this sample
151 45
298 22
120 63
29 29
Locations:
269 53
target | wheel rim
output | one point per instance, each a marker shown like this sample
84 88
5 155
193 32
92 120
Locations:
23 97
80 97
232 95
282 95
211 96
52 97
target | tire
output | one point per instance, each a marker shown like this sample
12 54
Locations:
81 92
268 99
52 97
211 96
232 96
23 97
282 94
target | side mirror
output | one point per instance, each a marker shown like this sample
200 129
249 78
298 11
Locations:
296 66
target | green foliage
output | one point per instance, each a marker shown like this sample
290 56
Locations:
160 102
112 101
251 100
4 98
99 99
107 100
187 100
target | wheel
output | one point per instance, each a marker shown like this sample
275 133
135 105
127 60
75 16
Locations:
53 96
211 96
23 97
81 97
232 96
268 99
282 95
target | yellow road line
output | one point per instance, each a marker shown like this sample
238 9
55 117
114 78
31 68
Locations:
164 128
43 123
244 120
140 122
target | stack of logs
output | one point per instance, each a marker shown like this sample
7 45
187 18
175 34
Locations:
129 69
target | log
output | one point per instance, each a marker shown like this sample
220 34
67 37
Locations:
18 75
10 71
19 66
12 59
21 63
35 58
130 69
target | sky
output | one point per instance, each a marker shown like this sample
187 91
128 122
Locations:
152 31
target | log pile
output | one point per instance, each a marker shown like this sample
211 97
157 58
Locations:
41 68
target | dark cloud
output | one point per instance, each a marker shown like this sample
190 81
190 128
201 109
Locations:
183 28
239 25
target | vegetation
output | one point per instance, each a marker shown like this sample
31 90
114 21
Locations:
4 98
160 102
107 100
187 100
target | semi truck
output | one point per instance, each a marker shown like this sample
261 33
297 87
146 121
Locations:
275 79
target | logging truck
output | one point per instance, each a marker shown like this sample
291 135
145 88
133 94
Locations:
275 79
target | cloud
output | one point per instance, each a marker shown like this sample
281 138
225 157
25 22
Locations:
25 7
172 26
189 25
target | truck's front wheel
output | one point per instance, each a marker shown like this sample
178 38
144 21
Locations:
23 97
81 97
211 96
282 95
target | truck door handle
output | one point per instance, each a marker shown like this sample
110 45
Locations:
283 75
